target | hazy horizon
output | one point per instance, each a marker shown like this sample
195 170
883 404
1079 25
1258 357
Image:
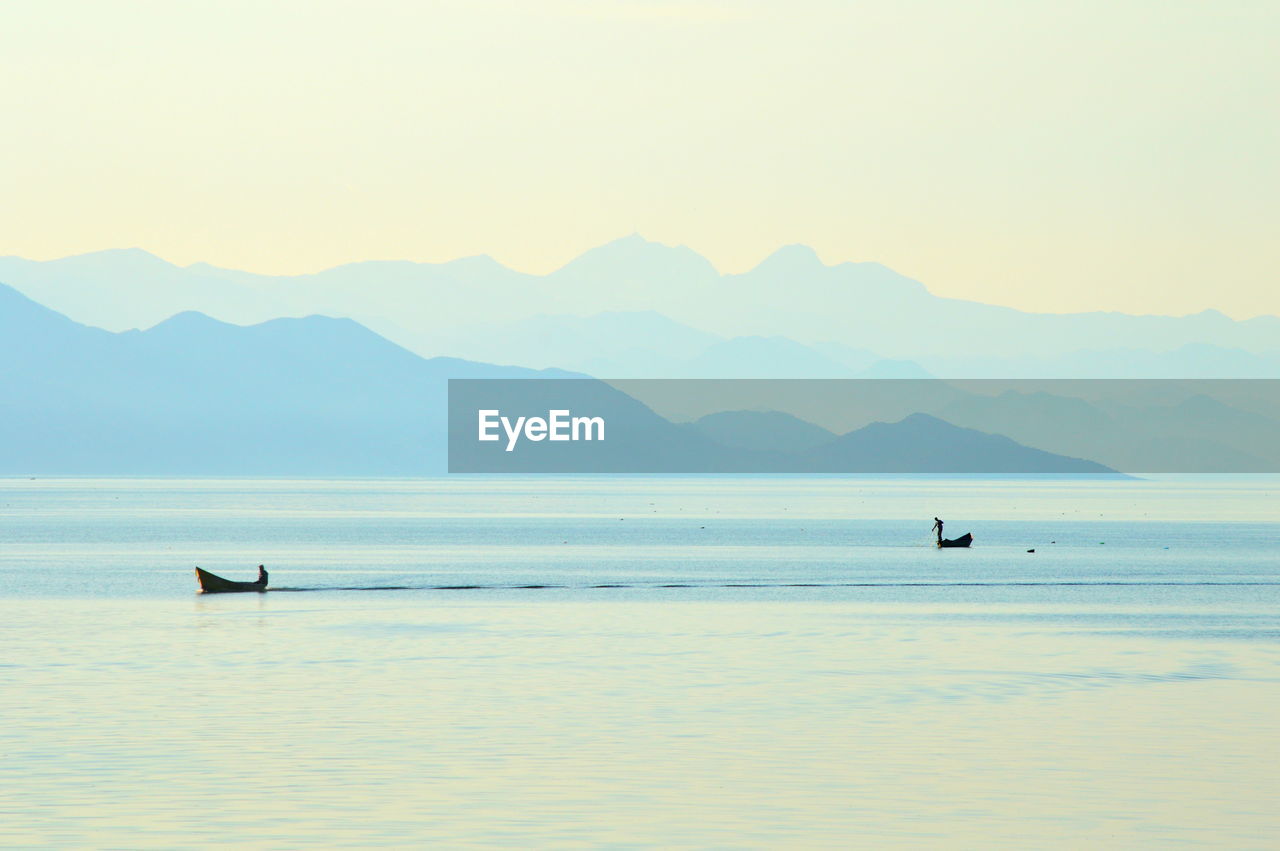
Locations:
1048 158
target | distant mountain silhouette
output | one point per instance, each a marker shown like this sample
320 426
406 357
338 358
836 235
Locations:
607 345
763 431
323 396
761 357
646 344
887 368
924 444
193 395
1133 425
1192 360
1138 431
320 396
624 274
791 294
127 288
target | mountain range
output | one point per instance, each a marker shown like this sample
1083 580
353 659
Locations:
193 395
1133 425
635 308
270 385
321 396
638 440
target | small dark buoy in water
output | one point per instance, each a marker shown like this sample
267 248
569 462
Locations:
1031 551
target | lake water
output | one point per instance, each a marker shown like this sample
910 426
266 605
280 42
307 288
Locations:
640 662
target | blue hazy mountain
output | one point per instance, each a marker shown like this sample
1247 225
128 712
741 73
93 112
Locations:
1138 426
922 443
919 443
790 294
608 344
762 357
781 357
622 276
119 289
323 396
1141 429
894 368
640 441
763 430
193 395
320 396
1193 360
646 344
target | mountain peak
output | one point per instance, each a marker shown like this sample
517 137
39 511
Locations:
792 258
130 257
637 256
187 321
925 420
477 264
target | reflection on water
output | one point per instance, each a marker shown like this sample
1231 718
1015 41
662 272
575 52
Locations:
757 689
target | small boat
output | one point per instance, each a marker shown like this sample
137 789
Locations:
211 583
963 541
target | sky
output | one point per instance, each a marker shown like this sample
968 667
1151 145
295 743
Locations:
1052 157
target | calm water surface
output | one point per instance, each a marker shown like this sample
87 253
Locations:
640 662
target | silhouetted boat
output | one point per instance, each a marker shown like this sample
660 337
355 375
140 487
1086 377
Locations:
963 541
211 583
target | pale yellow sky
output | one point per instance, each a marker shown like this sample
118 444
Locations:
1090 155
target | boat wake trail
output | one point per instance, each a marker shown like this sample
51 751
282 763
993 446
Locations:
746 584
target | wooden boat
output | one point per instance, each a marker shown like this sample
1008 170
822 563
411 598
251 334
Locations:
963 541
211 583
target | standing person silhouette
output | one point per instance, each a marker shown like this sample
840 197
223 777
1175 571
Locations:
937 527
262 576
